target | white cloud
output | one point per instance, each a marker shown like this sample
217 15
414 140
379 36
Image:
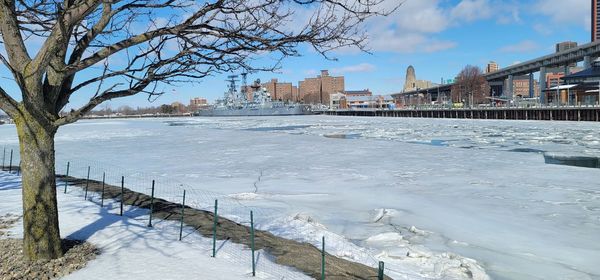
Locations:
422 16
521 47
358 68
471 10
511 14
414 26
566 11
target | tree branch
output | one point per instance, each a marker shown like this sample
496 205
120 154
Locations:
8 104
11 34
73 116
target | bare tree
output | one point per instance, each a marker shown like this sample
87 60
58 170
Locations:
113 48
470 87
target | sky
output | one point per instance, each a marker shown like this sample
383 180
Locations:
437 37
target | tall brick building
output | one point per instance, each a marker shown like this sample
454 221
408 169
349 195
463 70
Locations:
317 90
281 90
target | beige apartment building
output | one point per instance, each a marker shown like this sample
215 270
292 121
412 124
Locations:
318 90
492 66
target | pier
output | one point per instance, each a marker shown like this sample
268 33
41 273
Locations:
591 114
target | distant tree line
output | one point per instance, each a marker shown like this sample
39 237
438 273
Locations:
175 108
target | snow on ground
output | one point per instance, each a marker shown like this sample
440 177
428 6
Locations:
131 250
416 193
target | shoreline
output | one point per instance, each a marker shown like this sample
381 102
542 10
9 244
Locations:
300 255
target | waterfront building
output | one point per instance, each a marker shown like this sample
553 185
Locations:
317 90
364 92
337 101
374 102
492 66
584 87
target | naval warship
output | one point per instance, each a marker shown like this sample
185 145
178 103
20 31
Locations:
237 103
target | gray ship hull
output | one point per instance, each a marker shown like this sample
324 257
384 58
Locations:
278 111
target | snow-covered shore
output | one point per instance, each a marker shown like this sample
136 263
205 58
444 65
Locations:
131 250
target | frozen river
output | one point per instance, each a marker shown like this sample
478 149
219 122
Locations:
421 194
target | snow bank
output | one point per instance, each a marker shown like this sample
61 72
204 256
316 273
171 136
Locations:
403 260
131 250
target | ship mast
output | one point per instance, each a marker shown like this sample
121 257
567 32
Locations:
244 86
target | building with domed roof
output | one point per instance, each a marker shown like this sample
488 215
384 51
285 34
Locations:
411 82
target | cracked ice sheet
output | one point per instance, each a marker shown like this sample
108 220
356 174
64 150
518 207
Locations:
518 217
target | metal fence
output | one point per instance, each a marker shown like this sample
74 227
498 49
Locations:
170 189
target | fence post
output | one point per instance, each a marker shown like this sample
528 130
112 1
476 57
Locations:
182 216
87 183
323 260
381 268
67 175
103 182
252 242
10 164
151 205
215 221
122 189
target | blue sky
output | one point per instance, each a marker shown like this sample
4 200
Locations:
437 37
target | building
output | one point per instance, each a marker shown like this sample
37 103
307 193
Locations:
595 14
198 103
411 83
521 87
281 91
492 66
364 92
563 46
374 102
583 87
337 101
554 79
317 90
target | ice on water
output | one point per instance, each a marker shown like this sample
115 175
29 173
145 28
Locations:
433 198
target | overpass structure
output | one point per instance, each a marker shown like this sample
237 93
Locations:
586 53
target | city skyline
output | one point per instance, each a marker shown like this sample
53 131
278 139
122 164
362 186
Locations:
437 37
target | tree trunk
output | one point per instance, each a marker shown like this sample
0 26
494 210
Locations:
41 235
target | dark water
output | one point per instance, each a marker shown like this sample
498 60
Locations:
343 136
578 161
278 128
527 150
